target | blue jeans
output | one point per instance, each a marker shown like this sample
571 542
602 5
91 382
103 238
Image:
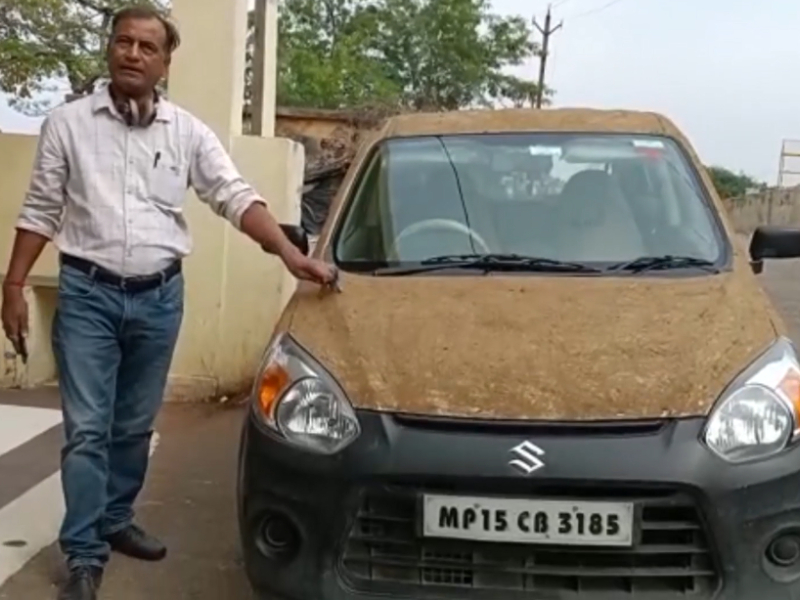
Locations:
113 351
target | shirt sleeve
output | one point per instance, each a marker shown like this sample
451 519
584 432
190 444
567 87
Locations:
217 181
44 201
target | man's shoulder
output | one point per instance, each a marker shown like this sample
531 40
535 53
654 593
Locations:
183 115
72 109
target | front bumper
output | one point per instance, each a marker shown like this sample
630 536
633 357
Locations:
348 526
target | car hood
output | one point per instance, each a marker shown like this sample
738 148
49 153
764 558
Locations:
535 347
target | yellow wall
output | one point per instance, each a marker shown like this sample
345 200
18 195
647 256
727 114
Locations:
16 158
234 291
257 284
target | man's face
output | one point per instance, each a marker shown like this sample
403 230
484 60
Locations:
137 56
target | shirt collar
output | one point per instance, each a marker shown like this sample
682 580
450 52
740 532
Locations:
101 100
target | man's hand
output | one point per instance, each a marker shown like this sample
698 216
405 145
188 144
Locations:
310 269
28 245
15 316
262 228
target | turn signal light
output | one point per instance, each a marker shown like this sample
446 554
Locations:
790 386
274 381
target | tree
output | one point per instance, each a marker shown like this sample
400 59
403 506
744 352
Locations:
437 54
416 54
326 55
46 40
401 54
731 185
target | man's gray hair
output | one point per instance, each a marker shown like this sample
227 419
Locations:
148 12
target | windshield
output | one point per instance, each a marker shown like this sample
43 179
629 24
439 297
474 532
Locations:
592 199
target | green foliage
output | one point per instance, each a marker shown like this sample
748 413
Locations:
731 185
325 55
403 54
436 52
417 54
42 40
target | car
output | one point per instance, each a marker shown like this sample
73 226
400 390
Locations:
540 379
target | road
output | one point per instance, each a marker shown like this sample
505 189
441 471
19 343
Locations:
188 501
782 281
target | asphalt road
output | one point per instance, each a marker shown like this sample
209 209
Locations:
189 498
781 278
189 502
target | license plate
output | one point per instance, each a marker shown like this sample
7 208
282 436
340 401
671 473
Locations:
524 521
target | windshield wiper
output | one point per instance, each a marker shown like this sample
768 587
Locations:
489 262
667 261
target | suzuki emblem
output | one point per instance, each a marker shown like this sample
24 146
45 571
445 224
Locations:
527 457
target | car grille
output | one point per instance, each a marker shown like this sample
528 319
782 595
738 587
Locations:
670 557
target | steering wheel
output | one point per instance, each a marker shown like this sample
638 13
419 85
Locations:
446 224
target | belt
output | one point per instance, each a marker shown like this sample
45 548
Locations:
133 284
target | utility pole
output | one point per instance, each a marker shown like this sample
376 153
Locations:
546 33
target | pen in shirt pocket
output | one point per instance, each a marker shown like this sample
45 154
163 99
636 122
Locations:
158 157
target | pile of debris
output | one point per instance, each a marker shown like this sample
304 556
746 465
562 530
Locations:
331 139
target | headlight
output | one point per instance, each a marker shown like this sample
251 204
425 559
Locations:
757 415
296 397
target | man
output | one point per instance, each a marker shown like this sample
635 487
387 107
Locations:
108 187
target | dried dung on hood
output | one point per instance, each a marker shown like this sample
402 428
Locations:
536 347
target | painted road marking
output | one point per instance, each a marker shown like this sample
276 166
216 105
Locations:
30 523
18 424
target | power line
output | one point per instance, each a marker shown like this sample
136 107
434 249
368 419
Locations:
592 11
546 32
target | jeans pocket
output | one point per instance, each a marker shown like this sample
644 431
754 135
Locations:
170 294
73 283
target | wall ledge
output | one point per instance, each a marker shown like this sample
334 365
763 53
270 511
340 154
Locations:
188 388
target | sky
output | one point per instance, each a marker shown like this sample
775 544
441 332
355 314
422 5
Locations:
722 70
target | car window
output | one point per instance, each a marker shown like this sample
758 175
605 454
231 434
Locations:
593 199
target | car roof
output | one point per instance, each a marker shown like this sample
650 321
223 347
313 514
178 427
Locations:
580 120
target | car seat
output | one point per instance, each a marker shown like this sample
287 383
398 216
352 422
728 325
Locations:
595 223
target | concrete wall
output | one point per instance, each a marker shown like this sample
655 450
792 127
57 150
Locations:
16 157
327 135
316 123
775 207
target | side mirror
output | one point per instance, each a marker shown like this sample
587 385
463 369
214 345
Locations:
298 236
770 241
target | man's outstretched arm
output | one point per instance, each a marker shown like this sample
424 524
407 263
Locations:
219 184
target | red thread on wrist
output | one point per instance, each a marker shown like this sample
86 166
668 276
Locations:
13 283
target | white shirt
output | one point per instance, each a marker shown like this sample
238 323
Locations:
115 195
